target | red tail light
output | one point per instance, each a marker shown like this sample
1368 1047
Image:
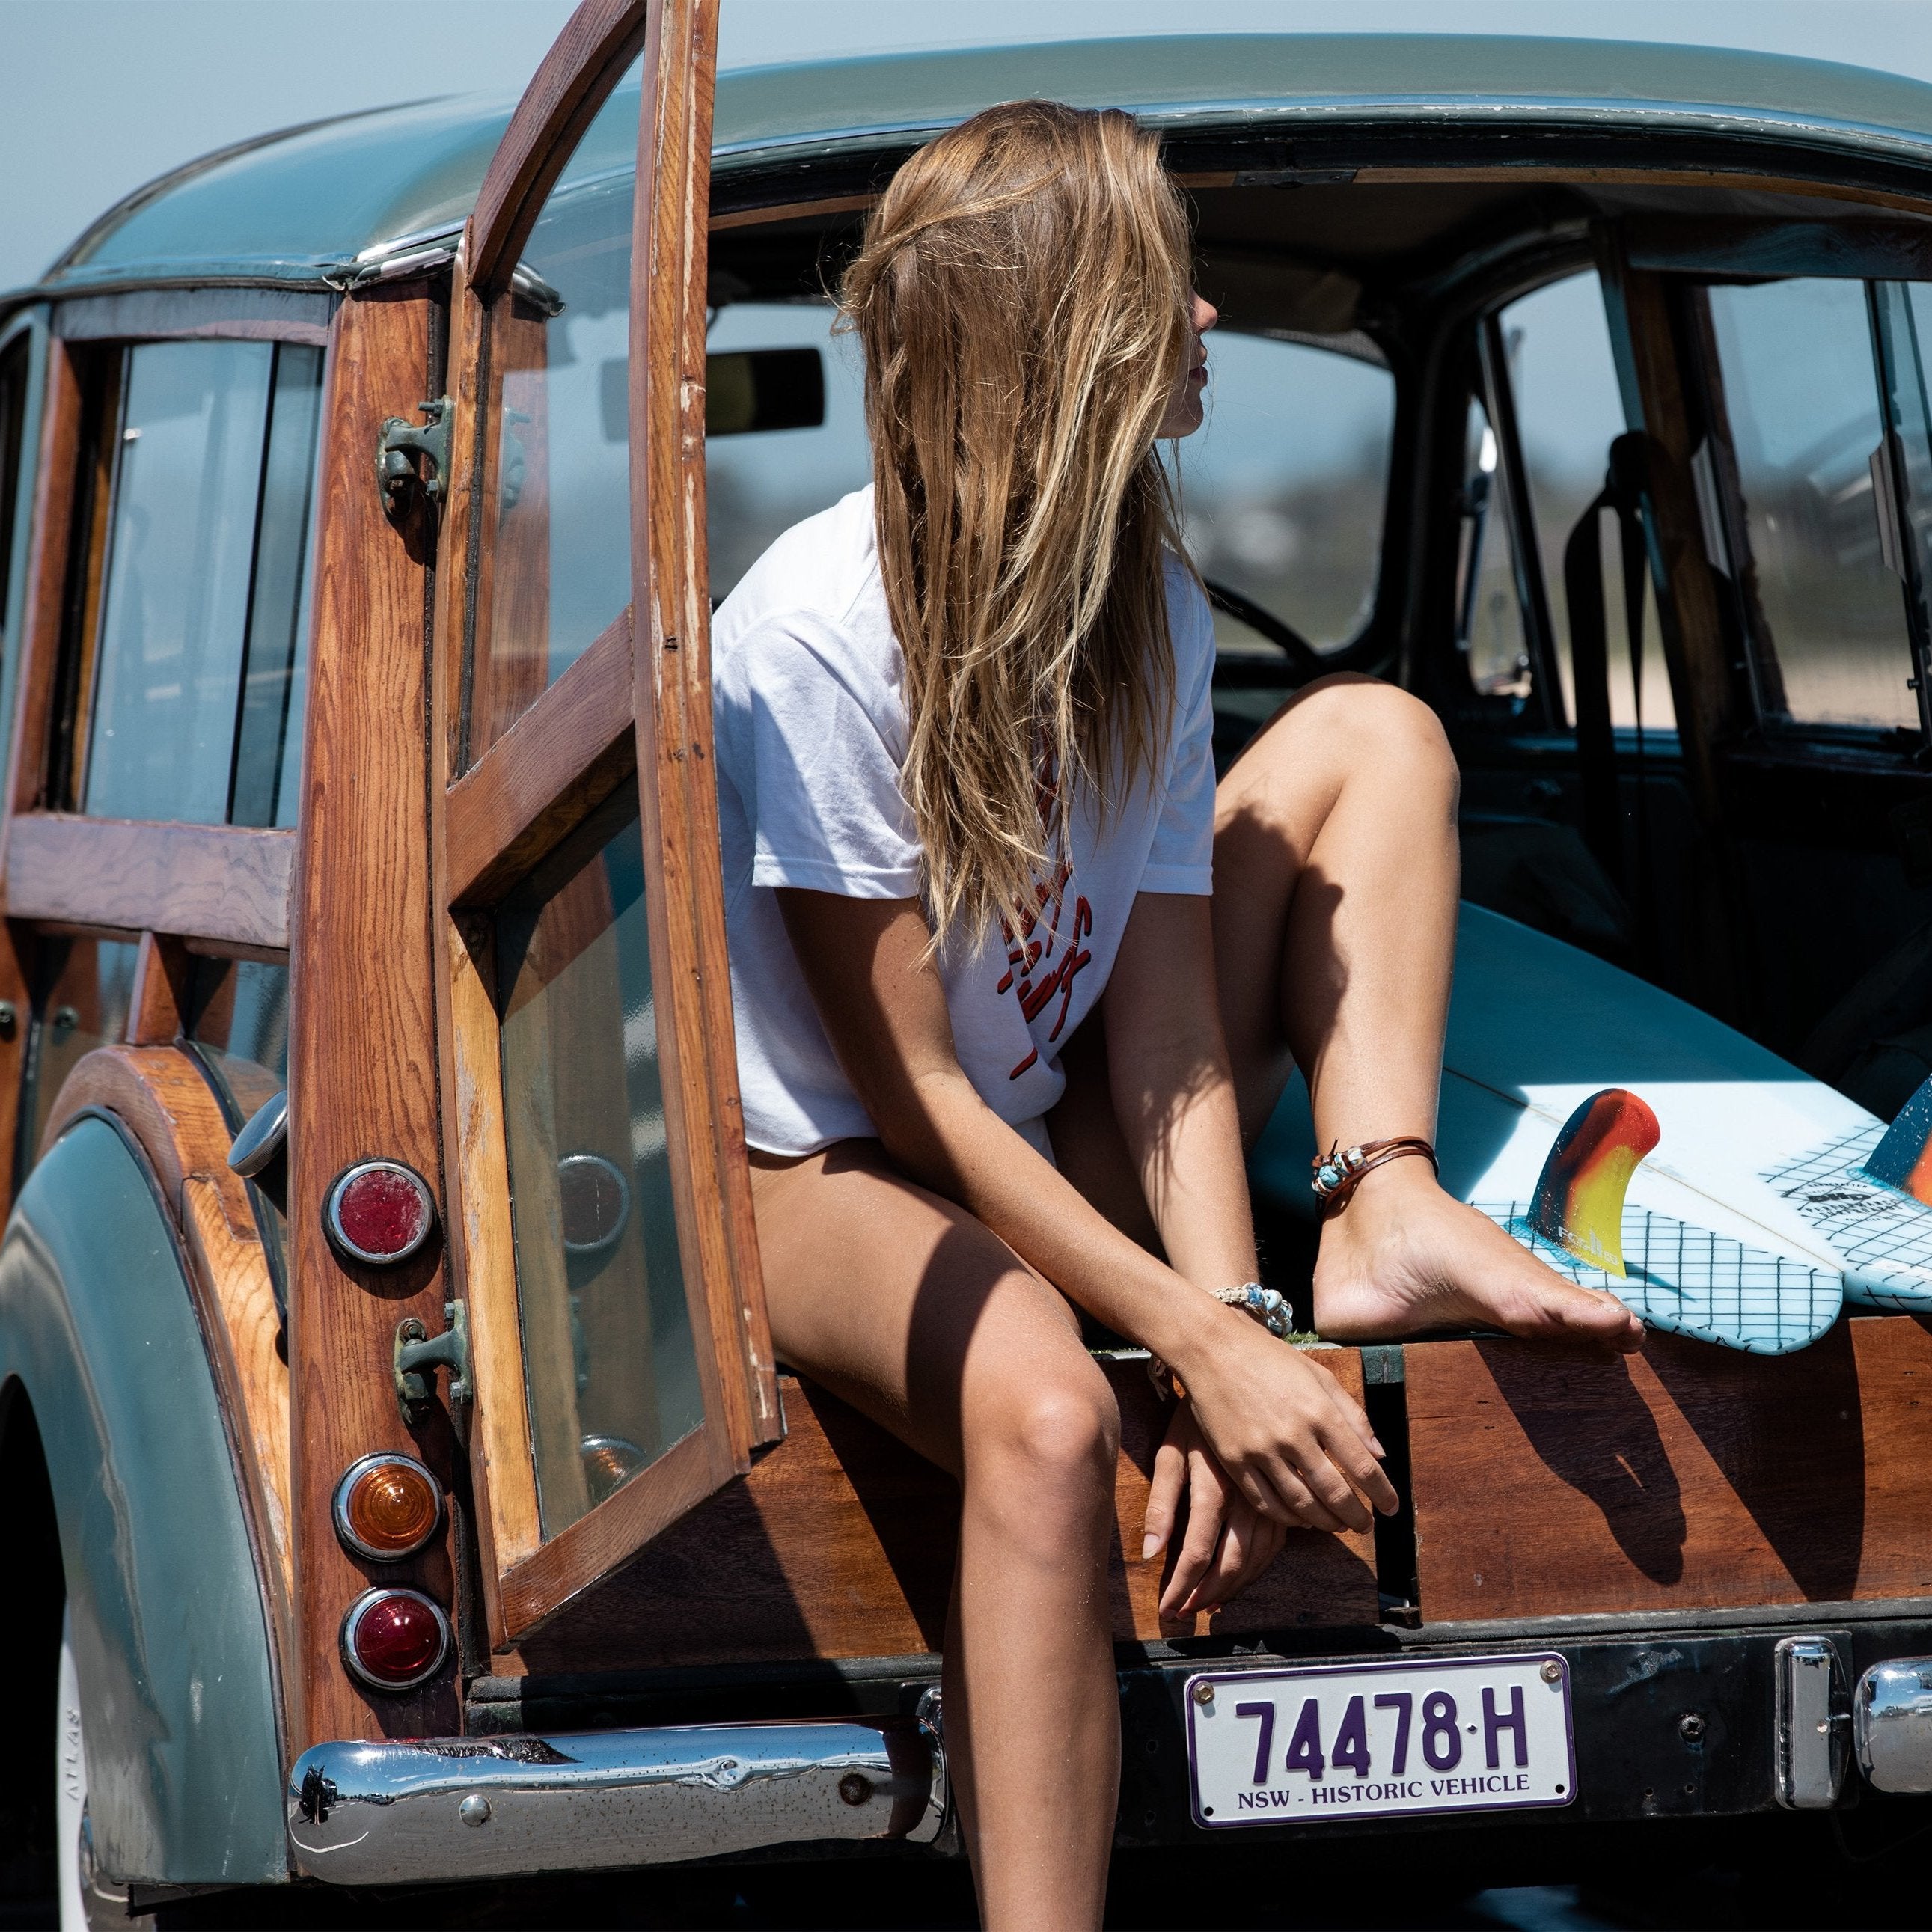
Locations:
379 1210
394 1638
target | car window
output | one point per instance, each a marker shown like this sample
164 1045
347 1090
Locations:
761 481
194 711
1569 410
1826 615
560 344
1284 485
610 1358
1488 605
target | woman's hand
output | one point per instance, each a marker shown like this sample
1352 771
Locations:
1228 1544
1295 1446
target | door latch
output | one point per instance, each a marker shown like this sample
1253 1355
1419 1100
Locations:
399 440
419 1354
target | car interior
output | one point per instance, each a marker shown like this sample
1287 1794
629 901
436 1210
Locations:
1416 385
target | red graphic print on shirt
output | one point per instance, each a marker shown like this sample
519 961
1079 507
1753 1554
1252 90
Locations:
1033 942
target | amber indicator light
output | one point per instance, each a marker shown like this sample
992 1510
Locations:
379 1210
394 1639
387 1506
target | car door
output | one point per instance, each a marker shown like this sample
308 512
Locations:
601 1221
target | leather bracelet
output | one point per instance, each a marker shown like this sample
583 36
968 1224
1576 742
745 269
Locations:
1339 1172
1266 1305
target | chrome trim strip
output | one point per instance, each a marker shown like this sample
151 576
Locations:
339 1507
353 1616
1891 1724
431 1809
1810 1743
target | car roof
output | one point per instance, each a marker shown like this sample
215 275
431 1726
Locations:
313 203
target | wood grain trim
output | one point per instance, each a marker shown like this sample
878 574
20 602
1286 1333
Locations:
677 788
588 58
158 1006
227 883
360 932
594 1545
560 760
1546 1484
56 490
510 1530
792 210
58 453
841 1541
162 1096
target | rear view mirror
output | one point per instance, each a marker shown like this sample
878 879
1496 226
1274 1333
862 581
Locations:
763 388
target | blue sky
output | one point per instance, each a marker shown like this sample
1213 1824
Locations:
97 96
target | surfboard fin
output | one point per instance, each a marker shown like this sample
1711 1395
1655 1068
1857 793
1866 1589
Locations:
1578 1203
1902 1159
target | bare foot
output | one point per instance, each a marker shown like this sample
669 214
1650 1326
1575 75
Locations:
1402 1257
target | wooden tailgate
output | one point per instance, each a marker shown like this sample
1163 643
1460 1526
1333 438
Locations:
840 1541
1686 1477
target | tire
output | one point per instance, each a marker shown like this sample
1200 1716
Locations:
85 1904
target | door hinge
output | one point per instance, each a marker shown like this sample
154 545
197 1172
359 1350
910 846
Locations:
399 439
419 1354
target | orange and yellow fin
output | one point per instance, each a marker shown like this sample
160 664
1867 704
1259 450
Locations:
1579 1204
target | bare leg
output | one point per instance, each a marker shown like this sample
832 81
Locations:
1336 874
907 1307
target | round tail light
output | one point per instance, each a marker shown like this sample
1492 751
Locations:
394 1638
379 1210
387 1506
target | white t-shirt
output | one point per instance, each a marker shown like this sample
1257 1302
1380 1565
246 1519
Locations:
810 711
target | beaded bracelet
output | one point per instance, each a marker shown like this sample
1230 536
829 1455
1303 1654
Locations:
1340 1172
1266 1305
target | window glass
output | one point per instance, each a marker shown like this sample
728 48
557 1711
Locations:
196 691
238 1017
1801 399
1489 621
1283 485
1905 313
610 1364
1569 410
761 481
82 993
560 347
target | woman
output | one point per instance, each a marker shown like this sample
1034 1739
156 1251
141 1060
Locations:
1014 982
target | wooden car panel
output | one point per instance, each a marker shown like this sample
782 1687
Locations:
1548 1483
839 1543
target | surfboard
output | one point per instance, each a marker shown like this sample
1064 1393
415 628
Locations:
1536 1029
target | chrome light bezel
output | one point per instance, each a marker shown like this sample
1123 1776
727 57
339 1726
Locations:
353 1616
339 1508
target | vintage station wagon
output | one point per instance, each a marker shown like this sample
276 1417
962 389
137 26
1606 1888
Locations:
403 1490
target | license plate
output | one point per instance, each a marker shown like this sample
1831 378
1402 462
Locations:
1380 1740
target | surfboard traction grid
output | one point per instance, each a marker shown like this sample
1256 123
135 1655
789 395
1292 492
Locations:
1885 1237
1693 1281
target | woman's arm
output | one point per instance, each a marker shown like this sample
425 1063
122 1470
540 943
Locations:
1305 1457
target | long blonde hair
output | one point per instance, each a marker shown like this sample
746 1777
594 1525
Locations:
1021 297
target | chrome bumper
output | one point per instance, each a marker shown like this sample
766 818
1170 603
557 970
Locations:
1891 1724
434 1809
